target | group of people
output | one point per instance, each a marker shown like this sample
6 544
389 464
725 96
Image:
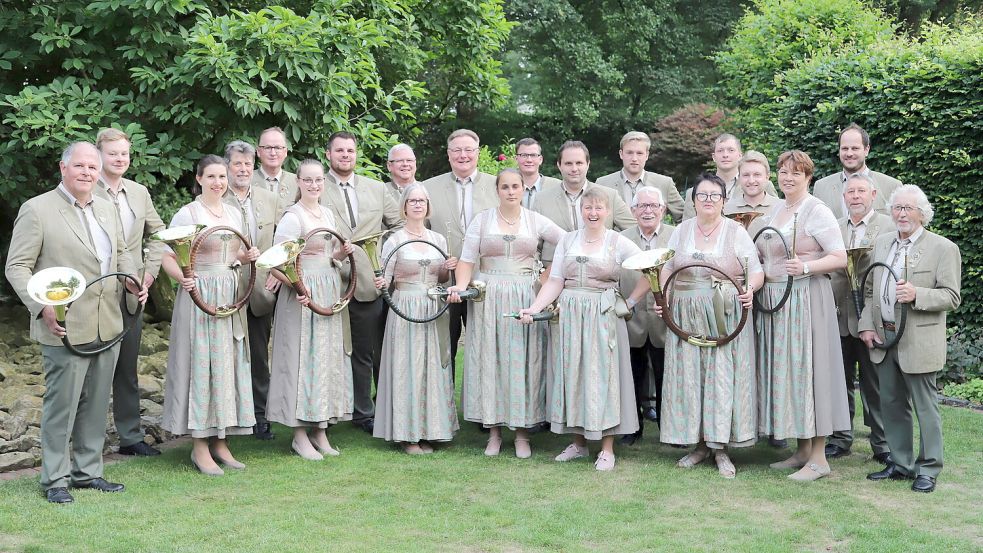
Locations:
603 364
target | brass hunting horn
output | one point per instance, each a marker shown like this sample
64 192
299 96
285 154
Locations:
854 257
60 286
745 218
650 263
789 254
903 318
185 241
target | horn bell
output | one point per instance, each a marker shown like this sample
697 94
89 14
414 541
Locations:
57 287
283 257
650 263
745 218
371 246
180 239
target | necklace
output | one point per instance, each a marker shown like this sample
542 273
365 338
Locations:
311 212
706 235
411 233
216 215
587 241
790 207
502 215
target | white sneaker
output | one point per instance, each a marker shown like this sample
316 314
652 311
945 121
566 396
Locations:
605 461
573 451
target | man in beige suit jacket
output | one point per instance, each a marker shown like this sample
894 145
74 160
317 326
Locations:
401 163
456 198
854 148
139 219
634 153
273 149
727 158
561 204
258 207
529 158
930 287
646 330
860 229
69 227
361 207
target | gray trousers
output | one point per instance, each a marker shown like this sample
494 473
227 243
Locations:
126 390
855 355
259 359
73 414
899 392
368 319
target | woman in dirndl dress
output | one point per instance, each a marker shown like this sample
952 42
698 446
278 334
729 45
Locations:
504 363
310 374
802 393
708 393
208 389
590 392
415 401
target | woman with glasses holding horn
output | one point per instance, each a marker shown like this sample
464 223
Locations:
504 363
415 399
801 394
208 391
310 373
709 392
590 391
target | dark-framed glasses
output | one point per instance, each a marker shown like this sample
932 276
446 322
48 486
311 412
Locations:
712 196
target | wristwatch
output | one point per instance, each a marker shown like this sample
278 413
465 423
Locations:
805 268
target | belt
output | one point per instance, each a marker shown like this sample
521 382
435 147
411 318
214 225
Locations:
890 326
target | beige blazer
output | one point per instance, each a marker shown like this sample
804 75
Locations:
552 203
645 323
445 209
689 210
670 195
845 311
287 194
935 268
146 220
48 233
376 212
829 189
545 184
264 206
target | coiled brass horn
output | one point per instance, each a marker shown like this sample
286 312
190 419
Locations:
474 292
650 263
185 241
789 254
60 286
285 257
903 318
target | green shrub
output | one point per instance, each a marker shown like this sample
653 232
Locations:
964 356
972 390
492 162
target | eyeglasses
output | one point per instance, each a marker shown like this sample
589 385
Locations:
403 161
648 207
713 197
904 208
528 156
417 201
309 181
276 149
457 151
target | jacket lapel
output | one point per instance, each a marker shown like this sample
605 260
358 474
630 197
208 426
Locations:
72 220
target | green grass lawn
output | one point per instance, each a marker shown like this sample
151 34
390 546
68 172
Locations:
374 498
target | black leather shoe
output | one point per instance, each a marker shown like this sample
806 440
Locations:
650 414
58 495
884 458
139 448
834 451
630 439
923 484
99 484
263 431
541 427
367 425
777 444
891 472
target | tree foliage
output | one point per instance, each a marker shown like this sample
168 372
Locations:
183 77
683 141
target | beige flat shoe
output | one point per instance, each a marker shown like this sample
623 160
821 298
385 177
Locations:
494 446
810 473
413 449
522 449
724 465
604 462
207 472
310 454
693 458
572 451
230 463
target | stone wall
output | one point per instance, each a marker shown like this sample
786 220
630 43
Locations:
22 387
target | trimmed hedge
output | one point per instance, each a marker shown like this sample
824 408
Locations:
922 103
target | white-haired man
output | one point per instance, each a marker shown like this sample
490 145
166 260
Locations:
401 163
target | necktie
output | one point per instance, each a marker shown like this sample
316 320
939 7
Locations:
461 187
348 201
271 183
528 197
572 200
853 237
890 294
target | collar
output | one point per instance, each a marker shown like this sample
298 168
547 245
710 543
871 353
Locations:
864 221
563 186
72 199
278 176
105 186
473 177
766 201
232 194
915 236
624 177
844 176
536 185
655 233
340 181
